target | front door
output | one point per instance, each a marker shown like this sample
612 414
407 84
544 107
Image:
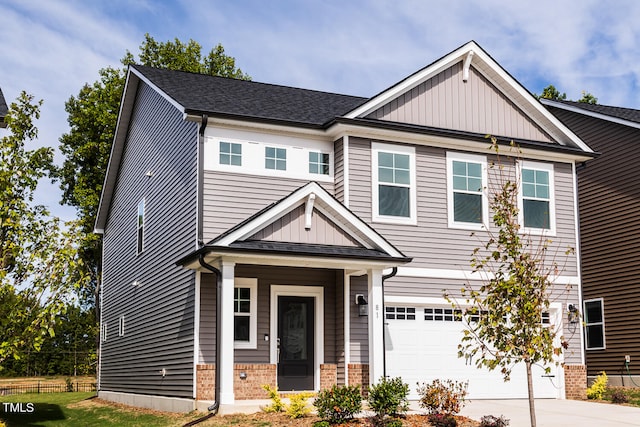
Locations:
295 343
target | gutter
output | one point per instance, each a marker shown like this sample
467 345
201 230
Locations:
394 271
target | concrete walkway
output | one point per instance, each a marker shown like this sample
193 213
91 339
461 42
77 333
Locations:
555 413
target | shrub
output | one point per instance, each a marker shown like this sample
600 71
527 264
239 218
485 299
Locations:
491 421
442 397
338 404
442 420
323 423
389 397
599 386
619 396
276 403
298 408
68 384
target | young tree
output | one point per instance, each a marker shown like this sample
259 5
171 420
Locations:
39 266
508 307
550 92
588 98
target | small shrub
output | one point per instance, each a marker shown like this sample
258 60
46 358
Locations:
389 398
338 404
393 423
298 407
68 384
491 421
442 397
323 423
599 386
619 396
276 403
442 420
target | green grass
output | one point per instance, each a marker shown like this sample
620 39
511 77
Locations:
71 409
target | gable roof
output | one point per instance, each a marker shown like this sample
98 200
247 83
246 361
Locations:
3 110
624 116
198 94
237 240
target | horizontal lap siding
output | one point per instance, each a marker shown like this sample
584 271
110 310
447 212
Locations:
159 314
231 198
339 169
359 326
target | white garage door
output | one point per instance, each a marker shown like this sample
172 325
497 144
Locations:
422 345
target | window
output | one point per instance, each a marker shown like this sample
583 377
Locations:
594 323
121 326
400 313
230 153
442 314
318 163
275 158
394 191
466 181
245 313
141 226
537 197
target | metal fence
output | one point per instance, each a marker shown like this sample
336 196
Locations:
6 390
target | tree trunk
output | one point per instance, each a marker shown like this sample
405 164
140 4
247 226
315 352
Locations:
532 405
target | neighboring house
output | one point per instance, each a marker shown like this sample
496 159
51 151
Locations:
3 110
261 234
609 201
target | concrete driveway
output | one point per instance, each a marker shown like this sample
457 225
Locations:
555 413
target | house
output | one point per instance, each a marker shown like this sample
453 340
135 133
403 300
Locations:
262 234
609 201
3 110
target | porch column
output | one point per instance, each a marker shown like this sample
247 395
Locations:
225 364
376 327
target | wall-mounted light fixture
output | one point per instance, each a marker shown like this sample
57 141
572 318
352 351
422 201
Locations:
243 375
573 314
363 306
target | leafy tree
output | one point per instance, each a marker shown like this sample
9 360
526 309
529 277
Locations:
588 98
507 309
39 264
550 92
92 116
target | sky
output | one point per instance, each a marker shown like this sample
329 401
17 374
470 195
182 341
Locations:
358 47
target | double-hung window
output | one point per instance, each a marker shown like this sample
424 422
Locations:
466 182
140 227
394 183
275 158
230 153
536 197
594 323
245 297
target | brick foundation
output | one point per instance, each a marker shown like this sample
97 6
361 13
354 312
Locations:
359 375
328 375
251 386
575 382
205 382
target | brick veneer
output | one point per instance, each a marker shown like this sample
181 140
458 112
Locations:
359 375
205 382
257 375
575 382
328 375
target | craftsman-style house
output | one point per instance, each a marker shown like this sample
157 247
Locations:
609 226
262 234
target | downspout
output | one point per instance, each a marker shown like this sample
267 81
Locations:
200 213
216 404
394 271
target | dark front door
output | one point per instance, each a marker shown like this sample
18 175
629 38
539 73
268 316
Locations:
295 343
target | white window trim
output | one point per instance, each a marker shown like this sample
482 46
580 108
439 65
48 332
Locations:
218 152
548 167
252 284
319 163
141 236
604 340
377 147
121 326
469 158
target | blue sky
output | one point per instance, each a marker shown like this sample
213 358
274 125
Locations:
358 47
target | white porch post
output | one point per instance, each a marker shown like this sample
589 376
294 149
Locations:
225 367
376 329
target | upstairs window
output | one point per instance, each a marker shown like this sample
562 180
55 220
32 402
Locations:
394 192
275 158
230 153
318 163
594 324
537 197
141 226
466 181
245 313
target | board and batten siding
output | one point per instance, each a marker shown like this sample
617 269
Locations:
230 198
432 243
610 237
159 311
446 101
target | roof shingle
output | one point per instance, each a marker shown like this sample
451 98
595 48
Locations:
629 114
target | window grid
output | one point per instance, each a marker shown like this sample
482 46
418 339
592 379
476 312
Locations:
394 184
442 314
230 153
275 158
467 191
318 163
594 324
536 198
400 313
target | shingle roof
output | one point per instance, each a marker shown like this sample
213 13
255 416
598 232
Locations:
3 109
629 114
199 93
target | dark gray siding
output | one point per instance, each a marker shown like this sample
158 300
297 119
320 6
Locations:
609 201
159 313
338 149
